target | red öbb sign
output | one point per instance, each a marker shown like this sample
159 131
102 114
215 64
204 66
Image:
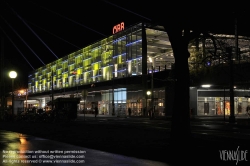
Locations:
118 27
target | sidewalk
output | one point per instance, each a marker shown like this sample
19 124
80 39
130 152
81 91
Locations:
239 120
124 116
41 148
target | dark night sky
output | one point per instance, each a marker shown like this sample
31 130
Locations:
66 26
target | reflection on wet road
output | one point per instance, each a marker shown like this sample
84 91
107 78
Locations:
23 150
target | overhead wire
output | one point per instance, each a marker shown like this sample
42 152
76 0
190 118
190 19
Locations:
54 35
126 10
71 20
22 39
31 30
17 48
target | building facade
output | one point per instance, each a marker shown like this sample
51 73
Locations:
131 53
117 71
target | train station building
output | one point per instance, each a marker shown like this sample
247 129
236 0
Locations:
133 69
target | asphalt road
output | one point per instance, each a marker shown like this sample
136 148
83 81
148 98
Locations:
144 138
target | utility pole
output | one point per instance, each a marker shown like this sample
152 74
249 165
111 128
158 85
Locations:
152 93
237 55
76 82
224 104
2 83
26 99
85 94
231 87
52 90
113 97
232 116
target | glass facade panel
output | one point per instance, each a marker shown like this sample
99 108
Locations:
117 56
114 57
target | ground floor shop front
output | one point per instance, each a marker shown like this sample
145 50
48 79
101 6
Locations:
136 102
123 102
216 102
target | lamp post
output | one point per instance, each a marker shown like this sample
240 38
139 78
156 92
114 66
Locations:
52 91
22 92
148 94
231 84
224 104
152 96
113 97
76 82
26 99
85 94
12 75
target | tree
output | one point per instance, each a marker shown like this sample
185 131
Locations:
179 32
180 130
178 21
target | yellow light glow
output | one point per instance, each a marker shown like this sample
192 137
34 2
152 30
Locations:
150 59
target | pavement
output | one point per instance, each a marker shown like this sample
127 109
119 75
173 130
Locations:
139 140
22 150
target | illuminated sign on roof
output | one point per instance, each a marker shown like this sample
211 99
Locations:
118 27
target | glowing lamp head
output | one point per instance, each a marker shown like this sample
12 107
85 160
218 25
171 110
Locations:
206 86
12 74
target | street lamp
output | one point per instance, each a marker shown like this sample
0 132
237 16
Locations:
12 75
148 93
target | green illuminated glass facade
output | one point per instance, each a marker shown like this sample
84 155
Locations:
119 55
132 52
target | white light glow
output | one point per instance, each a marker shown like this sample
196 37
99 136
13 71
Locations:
148 93
205 86
12 74
150 59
